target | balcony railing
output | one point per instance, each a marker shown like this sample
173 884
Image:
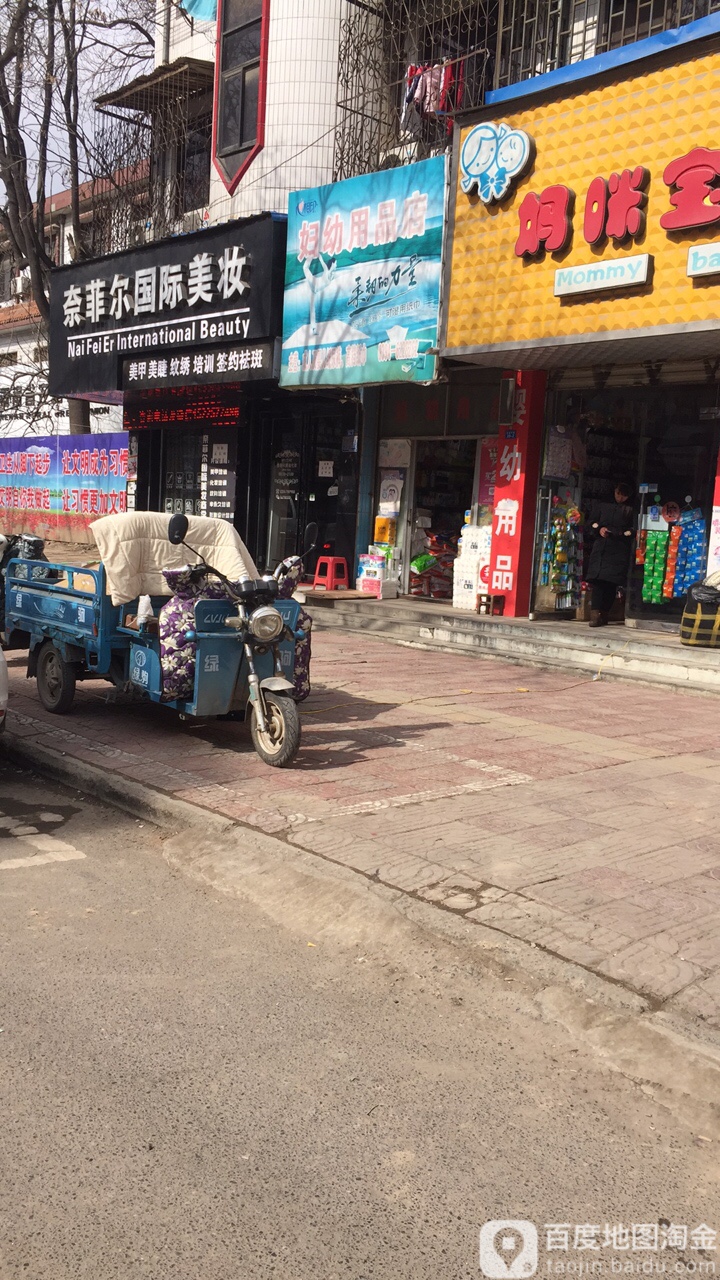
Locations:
472 46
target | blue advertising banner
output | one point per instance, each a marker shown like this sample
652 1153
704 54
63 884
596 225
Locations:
362 279
55 486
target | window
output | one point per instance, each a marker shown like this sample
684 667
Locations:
238 124
8 358
194 164
40 354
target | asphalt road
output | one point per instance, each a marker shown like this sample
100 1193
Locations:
190 1092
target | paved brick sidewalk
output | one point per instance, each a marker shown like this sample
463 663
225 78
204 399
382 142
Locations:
581 816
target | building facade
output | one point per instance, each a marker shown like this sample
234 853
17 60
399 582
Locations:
267 107
585 257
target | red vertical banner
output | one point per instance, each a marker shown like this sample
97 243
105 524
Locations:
515 497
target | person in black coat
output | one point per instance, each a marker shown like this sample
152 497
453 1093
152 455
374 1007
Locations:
612 524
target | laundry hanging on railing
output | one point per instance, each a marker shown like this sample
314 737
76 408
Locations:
428 91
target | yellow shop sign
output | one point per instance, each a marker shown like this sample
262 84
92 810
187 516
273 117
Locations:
586 218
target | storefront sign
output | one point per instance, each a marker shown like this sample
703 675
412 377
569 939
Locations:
154 301
515 497
491 158
516 267
55 486
362 279
221 364
617 273
218 475
704 260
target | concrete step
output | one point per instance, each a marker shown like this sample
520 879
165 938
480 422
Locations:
620 651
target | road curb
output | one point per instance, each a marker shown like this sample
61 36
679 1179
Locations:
329 905
143 800
137 798
281 878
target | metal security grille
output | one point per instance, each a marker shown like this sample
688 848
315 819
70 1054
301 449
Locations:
152 157
537 37
381 42
485 44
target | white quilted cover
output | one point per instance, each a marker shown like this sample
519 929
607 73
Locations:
134 548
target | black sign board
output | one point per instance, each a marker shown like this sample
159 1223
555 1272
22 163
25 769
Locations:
219 459
219 289
232 363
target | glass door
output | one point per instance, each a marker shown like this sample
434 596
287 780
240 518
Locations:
286 483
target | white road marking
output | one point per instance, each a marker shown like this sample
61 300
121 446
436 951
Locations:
49 849
497 777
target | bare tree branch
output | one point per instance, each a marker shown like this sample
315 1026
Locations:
48 50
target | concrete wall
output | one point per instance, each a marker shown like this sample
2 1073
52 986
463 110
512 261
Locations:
301 108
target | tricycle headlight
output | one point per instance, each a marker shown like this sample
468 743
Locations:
266 624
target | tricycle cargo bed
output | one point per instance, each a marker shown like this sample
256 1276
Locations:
65 604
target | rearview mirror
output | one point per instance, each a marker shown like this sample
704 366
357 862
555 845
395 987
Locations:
177 529
310 537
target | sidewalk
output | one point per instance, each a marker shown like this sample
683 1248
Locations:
577 815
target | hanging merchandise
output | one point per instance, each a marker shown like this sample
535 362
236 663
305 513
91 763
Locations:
641 547
671 563
654 574
561 565
692 552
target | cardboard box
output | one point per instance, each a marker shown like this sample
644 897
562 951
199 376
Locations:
380 588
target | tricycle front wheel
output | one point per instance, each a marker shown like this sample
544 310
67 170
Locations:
55 680
278 743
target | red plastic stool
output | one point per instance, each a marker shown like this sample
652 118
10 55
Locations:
331 574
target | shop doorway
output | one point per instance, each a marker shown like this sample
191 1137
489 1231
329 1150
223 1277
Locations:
442 494
428 489
663 442
313 465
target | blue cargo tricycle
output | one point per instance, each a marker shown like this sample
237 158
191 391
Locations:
244 645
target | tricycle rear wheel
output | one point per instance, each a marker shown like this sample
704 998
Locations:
278 744
55 680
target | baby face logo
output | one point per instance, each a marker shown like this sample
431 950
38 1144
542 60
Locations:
492 157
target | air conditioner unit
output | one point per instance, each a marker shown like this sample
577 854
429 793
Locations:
193 221
20 285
